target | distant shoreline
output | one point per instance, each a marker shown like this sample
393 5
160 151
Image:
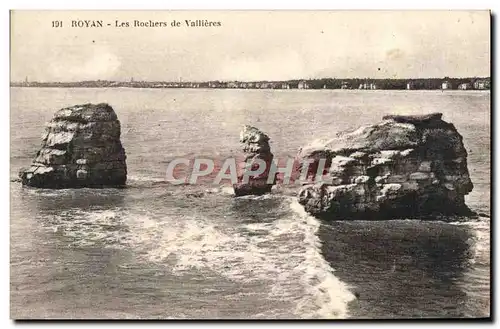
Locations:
472 83
207 88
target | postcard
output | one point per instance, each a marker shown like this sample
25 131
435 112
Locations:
250 165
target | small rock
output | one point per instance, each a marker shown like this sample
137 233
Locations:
256 149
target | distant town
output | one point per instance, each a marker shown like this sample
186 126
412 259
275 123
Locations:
474 83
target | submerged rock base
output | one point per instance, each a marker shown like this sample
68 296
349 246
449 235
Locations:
404 166
80 148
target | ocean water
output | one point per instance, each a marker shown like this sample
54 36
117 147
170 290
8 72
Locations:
157 251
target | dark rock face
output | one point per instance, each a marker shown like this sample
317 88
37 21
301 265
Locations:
80 148
404 166
255 147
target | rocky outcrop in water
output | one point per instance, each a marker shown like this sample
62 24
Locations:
80 148
255 149
404 166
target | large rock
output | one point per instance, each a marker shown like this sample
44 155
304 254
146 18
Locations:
80 148
255 147
404 166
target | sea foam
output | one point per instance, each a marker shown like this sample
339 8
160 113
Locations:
283 254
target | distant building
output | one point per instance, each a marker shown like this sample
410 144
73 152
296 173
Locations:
445 85
464 86
410 85
285 86
303 85
481 84
26 82
263 85
345 85
368 86
212 84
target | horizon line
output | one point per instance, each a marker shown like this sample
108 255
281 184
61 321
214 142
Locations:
261 80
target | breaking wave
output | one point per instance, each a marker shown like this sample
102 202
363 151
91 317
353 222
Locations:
282 254
480 240
285 253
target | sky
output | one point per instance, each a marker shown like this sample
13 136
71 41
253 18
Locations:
250 45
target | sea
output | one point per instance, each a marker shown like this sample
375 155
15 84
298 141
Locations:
155 250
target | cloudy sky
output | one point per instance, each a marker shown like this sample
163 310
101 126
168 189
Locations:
255 45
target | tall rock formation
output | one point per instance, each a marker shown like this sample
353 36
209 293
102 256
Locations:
80 148
255 147
404 166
